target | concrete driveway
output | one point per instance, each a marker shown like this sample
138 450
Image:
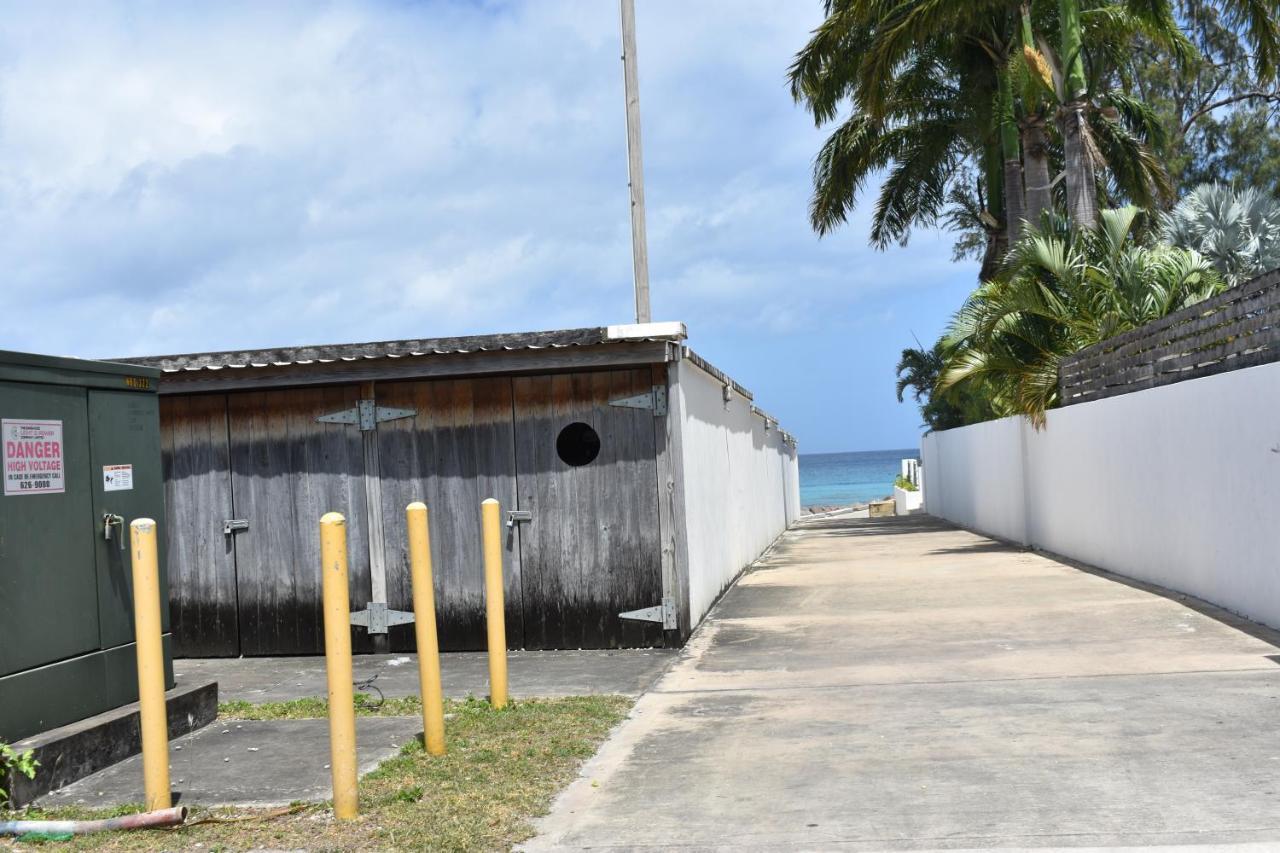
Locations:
903 685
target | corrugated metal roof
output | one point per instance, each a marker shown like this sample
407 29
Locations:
326 353
425 347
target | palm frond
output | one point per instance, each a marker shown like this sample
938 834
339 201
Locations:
1062 290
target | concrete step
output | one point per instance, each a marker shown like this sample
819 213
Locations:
246 763
76 750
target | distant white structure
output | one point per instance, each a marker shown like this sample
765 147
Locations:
906 501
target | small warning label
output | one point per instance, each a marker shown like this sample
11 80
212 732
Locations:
117 478
32 457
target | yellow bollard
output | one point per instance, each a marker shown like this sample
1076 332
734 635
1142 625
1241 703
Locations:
424 626
337 654
150 650
495 612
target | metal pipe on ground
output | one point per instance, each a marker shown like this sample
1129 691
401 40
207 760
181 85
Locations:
146 820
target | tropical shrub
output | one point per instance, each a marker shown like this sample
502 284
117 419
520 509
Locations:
1063 289
1238 231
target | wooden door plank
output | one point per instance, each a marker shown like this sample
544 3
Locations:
455 452
593 547
287 471
200 558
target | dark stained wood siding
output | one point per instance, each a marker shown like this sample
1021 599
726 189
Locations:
288 470
201 559
457 451
592 549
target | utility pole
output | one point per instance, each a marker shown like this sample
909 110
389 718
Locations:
635 163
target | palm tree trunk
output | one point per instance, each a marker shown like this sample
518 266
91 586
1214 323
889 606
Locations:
993 256
1035 158
1014 201
1082 189
1035 147
997 237
1015 214
1082 186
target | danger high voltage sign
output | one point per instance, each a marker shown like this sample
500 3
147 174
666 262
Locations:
32 457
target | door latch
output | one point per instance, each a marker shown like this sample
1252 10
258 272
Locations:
110 520
231 525
518 516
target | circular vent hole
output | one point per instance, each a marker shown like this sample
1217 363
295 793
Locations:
578 444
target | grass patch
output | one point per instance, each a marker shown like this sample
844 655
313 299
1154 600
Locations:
309 709
501 770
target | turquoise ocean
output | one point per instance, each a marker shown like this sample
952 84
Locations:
840 479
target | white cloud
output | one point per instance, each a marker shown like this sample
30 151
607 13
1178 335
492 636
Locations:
178 177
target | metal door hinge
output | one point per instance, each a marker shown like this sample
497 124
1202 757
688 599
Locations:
377 617
664 613
655 399
367 414
231 525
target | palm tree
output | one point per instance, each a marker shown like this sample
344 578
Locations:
1238 232
1064 289
1015 194
928 82
1257 18
1082 198
1035 78
919 369
937 115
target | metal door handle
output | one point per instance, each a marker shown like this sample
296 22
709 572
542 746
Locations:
110 520
518 516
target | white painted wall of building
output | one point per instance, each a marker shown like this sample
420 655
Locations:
741 483
1177 486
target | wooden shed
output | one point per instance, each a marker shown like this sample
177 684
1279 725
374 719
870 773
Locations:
577 433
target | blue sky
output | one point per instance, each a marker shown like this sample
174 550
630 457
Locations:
183 177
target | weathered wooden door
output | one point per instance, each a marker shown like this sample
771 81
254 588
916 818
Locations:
456 451
201 557
587 472
287 470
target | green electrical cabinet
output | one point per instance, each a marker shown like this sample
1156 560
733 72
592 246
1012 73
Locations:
79 460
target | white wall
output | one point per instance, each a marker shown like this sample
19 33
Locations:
906 502
1178 486
973 477
741 483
